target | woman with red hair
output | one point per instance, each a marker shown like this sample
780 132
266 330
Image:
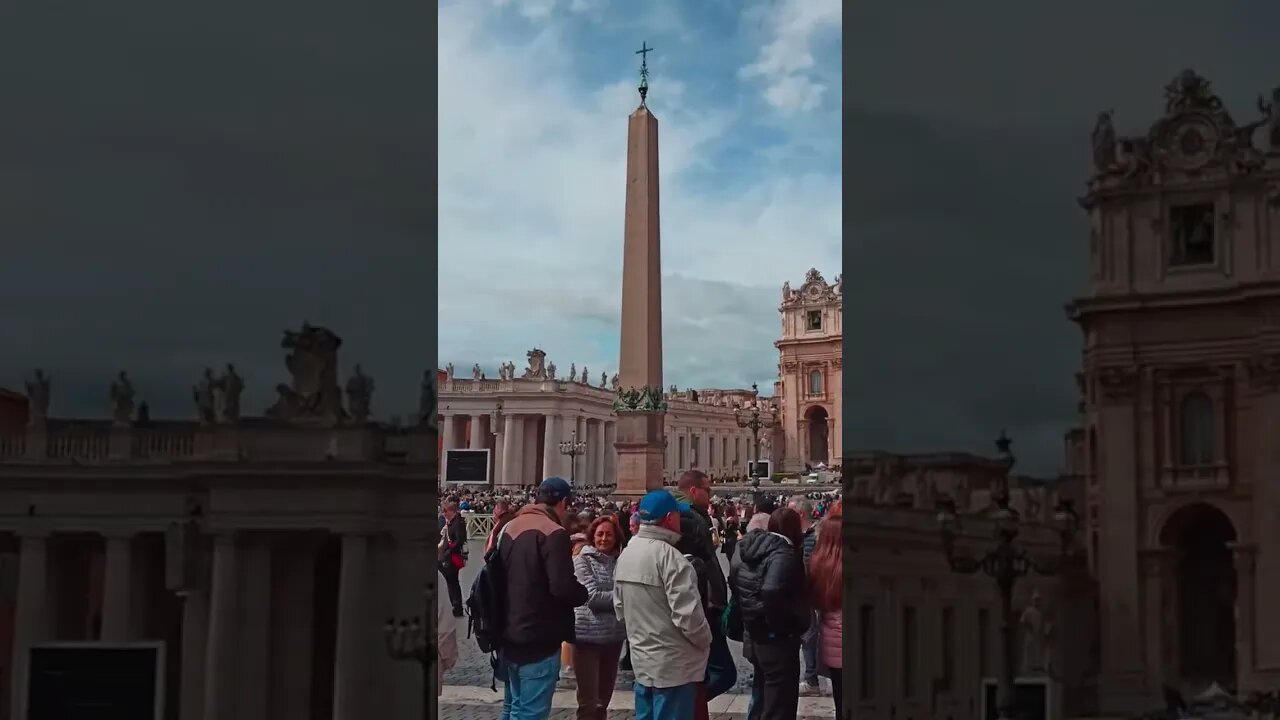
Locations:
826 592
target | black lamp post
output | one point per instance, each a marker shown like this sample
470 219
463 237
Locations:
1006 563
407 640
753 421
573 447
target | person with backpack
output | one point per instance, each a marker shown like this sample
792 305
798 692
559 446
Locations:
540 593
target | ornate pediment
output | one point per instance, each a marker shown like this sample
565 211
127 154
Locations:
814 291
1196 135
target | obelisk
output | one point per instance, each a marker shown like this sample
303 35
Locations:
640 442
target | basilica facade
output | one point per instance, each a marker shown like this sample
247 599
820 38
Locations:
810 362
1181 396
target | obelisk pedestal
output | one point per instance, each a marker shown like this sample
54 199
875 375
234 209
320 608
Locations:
641 441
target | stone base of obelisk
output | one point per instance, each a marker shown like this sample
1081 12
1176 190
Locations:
641 447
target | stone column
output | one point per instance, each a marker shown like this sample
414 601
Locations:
610 457
195 627
30 616
512 453
1244 560
580 427
219 682
117 599
551 447
350 662
450 431
498 459
598 454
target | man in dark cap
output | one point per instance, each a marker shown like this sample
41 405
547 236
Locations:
542 592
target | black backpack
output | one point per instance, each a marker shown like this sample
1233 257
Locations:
486 609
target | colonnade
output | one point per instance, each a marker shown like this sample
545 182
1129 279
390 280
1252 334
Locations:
526 448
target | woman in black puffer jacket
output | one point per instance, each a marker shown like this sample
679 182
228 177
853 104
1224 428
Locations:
765 575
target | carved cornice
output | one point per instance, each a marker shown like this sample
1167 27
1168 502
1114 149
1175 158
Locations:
814 291
1117 382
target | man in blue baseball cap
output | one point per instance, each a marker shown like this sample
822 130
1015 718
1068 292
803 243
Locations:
655 595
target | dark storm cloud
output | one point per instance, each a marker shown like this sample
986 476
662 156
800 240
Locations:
964 236
178 185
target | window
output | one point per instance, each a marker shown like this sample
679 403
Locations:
908 658
866 652
984 635
1195 425
813 320
1191 230
815 382
948 648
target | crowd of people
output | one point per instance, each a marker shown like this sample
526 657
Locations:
602 587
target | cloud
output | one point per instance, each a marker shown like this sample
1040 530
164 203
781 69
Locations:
786 64
532 181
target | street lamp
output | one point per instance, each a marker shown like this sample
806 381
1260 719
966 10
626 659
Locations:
753 421
573 447
1006 563
407 640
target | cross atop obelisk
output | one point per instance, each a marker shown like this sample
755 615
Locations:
640 406
643 52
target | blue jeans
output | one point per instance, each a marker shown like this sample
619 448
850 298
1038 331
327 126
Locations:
675 703
809 651
722 671
530 688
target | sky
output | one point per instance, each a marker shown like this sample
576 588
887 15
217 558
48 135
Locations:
180 184
534 100
967 135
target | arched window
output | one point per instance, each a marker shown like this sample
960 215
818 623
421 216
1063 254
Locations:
815 382
1195 423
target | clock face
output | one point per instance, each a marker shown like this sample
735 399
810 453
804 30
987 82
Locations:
1193 142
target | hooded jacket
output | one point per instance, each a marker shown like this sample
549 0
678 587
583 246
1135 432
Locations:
767 575
655 595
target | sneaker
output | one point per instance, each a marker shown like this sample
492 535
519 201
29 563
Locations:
807 690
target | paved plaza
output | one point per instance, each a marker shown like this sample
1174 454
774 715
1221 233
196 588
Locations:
467 693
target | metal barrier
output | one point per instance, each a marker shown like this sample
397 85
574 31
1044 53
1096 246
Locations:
478 526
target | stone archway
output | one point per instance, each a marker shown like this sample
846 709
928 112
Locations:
819 435
1204 623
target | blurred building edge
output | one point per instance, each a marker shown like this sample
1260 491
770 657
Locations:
263 551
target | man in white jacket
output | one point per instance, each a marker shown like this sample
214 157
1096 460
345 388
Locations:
655 595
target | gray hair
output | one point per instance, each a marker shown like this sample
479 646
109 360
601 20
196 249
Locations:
802 505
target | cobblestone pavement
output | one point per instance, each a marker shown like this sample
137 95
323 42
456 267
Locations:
485 712
473 666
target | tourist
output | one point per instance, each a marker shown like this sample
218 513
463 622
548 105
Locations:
446 641
452 557
693 489
598 633
765 575
656 597
542 593
729 538
501 514
809 645
826 591
762 507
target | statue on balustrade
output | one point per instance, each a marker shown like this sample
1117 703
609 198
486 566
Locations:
551 370
537 365
314 394
475 371
359 395
448 372
122 399
615 382
203 392
586 376
604 379
573 372
38 398
229 388
427 403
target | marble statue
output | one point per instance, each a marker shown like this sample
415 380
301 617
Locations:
203 393
229 388
359 394
448 370
573 372
551 371
1036 633
38 397
122 399
313 393
786 291
427 410
502 372
1104 143
537 369
604 379
615 382
475 371
586 376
